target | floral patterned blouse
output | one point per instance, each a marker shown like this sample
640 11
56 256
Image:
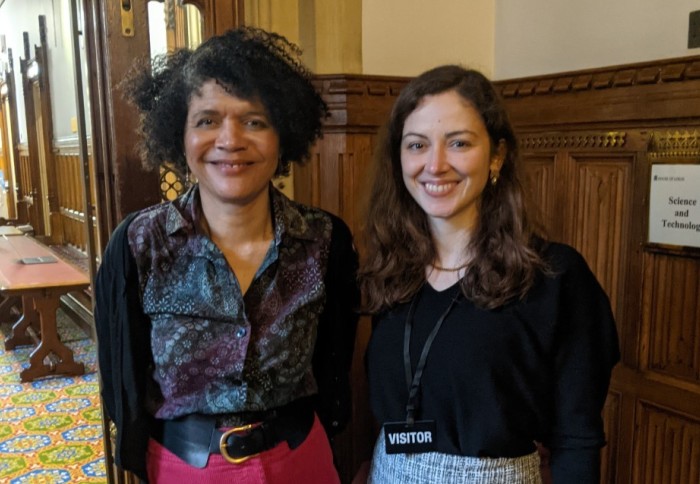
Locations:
216 350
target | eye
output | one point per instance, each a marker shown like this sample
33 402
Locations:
257 123
203 122
415 146
460 143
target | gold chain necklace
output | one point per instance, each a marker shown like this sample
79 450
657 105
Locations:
449 269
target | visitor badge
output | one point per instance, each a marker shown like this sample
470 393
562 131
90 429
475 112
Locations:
403 438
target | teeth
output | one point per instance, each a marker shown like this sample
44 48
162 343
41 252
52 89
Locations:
435 188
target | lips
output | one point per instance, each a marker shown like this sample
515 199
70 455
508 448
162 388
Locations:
231 164
231 168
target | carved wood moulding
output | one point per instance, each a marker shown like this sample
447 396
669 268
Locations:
671 70
358 100
683 143
359 85
592 139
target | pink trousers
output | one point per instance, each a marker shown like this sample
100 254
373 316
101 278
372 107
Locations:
310 463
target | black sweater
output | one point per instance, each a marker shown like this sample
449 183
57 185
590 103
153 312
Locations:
497 380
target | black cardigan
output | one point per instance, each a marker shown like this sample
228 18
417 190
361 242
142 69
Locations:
497 380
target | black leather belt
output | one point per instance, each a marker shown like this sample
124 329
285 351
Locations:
194 437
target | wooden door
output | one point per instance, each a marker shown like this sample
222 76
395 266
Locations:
9 155
8 97
30 168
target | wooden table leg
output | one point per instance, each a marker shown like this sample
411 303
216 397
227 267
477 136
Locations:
8 304
29 317
50 343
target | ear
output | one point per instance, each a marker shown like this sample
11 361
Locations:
497 158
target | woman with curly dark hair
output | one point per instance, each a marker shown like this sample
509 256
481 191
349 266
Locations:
225 318
486 338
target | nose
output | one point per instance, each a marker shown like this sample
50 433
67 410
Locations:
230 136
438 161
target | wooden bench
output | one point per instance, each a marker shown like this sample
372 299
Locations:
31 271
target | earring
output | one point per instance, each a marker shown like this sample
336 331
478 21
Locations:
494 179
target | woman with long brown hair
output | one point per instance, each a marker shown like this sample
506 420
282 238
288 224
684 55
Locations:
487 338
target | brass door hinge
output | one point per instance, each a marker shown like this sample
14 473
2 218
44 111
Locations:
127 12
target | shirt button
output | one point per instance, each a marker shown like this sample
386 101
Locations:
240 332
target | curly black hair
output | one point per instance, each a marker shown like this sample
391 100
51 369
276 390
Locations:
251 64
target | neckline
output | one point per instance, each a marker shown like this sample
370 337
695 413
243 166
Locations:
440 291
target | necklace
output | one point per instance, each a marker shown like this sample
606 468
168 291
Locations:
449 269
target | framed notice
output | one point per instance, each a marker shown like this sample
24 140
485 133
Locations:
674 205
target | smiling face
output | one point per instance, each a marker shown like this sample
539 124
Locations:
446 158
230 145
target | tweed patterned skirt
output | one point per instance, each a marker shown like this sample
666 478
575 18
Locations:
438 468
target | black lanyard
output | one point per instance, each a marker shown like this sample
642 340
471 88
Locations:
413 382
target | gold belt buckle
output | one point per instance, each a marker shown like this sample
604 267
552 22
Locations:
235 431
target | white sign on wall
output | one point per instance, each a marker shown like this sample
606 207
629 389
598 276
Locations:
674 205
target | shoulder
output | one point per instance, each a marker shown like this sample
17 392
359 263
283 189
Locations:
119 240
117 257
340 233
563 258
302 221
148 219
572 274
317 224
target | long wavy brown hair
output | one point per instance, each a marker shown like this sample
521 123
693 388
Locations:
397 241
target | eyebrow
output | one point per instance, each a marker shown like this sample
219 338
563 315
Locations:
206 112
214 112
447 135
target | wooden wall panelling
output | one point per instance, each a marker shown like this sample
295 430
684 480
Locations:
539 183
647 94
667 446
611 419
71 198
28 201
670 349
597 218
635 387
603 128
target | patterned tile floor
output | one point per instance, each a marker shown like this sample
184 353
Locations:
50 429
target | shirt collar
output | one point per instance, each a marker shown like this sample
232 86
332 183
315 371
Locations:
185 213
288 219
